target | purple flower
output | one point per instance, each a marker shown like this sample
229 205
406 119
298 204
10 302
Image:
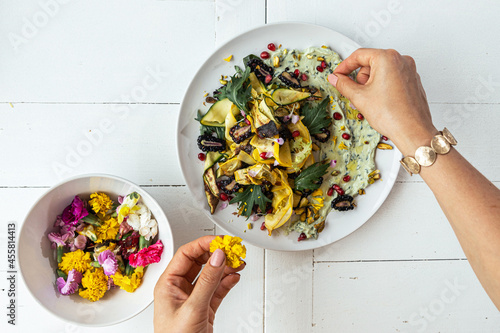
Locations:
79 243
108 262
69 286
58 239
74 212
295 119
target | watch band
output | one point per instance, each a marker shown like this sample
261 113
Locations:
426 156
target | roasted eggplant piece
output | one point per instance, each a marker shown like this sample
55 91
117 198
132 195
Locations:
211 190
268 130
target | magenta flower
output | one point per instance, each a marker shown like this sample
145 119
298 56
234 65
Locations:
146 256
74 212
70 286
58 239
108 262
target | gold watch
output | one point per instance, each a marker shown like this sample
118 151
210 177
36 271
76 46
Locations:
426 156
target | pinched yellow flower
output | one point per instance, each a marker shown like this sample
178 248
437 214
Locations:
233 249
100 203
95 283
317 199
129 283
108 230
78 260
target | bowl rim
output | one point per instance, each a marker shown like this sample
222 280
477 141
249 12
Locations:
52 188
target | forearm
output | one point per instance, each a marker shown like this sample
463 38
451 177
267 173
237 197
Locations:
472 205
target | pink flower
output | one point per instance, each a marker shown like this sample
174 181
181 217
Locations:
74 212
124 228
79 242
146 256
295 119
108 262
333 163
280 141
58 239
69 286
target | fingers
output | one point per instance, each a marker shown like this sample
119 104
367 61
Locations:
363 75
359 58
225 286
189 258
347 87
209 280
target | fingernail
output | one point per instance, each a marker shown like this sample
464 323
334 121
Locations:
332 78
217 258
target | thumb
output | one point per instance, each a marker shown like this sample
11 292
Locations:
209 279
346 86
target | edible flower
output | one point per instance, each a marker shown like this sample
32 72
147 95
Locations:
295 119
108 230
129 284
333 163
146 256
140 220
89 231
100 203
70 286
233 249
79 242
73 213
108 262
58 239
317 199
95 283
78 260
128 206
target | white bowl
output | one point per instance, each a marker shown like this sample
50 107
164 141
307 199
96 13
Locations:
37 262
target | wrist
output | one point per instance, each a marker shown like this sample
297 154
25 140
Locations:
409 141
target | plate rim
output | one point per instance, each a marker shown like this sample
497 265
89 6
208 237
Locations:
378 204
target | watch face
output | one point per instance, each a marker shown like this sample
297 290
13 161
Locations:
411 165
425 156
449 137
440 145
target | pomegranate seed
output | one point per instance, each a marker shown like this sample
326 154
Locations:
303 77
263 226
201 156
330 192
270 210
265 55
302 237
268 78
271 47
323 64
360 116
223 196
346 178
384 138
319 69
337 116
247 121
346 136
263 155
295 134
338 189
296 73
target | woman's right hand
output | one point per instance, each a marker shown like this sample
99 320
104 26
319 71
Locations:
389 94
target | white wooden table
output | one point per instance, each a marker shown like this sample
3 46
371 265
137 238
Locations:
95 86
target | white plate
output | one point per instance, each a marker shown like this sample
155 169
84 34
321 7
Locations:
291 36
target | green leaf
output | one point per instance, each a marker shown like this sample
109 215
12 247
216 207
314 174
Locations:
251 195
236 91
308 179
92 219
220 132
316 116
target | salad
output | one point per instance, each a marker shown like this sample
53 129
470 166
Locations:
282 144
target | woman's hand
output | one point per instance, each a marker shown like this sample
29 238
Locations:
184 303
389 94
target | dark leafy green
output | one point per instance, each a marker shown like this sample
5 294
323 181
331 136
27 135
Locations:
220 132
236 91
308 179
251 195
316 116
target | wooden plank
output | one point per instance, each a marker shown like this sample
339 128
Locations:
289 286
103 51
439 43
427 296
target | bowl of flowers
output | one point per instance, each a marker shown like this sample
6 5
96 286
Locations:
92 248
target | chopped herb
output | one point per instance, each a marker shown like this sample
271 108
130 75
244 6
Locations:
316 116
251 195
308 179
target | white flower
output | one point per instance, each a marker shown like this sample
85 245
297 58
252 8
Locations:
140 220
149 230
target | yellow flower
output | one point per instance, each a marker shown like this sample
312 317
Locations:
78 260
233 249
129 283
108 230
100 203
317 199
96 284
